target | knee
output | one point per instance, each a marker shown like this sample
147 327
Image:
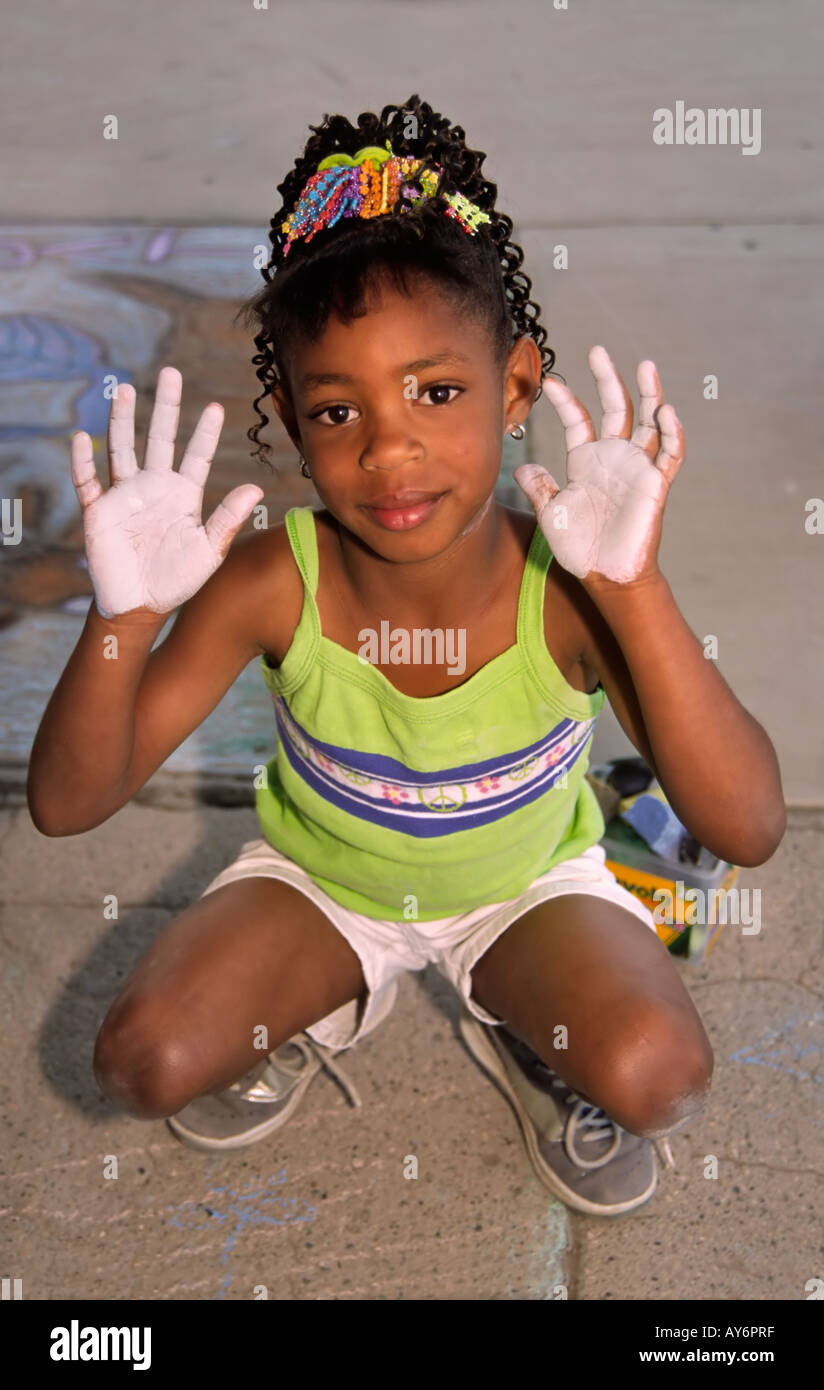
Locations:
137 1066
669 1110
659 1076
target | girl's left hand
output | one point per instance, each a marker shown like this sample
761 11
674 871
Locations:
605 525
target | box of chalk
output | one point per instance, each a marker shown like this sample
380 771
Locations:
652 855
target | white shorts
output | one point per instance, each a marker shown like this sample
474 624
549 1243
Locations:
454 945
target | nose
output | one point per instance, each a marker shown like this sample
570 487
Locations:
390 446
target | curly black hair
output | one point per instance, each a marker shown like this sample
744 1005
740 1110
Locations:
480 274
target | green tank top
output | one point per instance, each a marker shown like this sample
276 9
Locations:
413 808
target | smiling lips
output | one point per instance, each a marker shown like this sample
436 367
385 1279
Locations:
392 501
406 514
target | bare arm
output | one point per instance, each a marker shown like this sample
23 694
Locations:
717 766
83 747
714 761
113 721
147 553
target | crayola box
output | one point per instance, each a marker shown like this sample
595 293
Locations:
687 921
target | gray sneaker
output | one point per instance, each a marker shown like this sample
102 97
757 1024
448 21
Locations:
261 1101
577 1151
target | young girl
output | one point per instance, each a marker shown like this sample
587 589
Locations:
436 679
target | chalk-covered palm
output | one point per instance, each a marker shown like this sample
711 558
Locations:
145 545
605 525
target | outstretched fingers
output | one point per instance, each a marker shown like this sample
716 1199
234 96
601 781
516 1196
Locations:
576 420
230 514
202 446
160 441
122 460
84 474
647 433
673 444
616 420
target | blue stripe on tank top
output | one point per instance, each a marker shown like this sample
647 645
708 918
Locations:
428 819
379 765
422 821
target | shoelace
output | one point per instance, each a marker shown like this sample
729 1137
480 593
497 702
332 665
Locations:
280 1075
586 1117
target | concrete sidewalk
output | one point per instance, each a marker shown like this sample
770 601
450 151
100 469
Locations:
118 256
321 1209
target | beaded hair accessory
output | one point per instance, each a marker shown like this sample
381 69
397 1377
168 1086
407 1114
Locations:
367 185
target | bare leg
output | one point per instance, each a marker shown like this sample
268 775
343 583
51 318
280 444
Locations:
635 1044
254 952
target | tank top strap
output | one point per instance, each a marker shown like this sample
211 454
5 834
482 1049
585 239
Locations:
300 527
299 660
570 703
531 600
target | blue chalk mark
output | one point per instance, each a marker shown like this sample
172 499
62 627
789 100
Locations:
761 1054
249 1209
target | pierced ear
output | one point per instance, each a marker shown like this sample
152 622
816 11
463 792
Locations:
522 379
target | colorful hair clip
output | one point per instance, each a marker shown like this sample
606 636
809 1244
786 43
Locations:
369 184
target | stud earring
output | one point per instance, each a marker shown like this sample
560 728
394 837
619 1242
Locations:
304 468
517 432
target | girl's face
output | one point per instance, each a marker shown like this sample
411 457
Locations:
408 398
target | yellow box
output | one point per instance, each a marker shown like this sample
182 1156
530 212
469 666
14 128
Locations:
683 936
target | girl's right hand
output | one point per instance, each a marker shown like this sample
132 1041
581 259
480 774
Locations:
145 545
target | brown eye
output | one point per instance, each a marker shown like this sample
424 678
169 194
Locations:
328 411
430 389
